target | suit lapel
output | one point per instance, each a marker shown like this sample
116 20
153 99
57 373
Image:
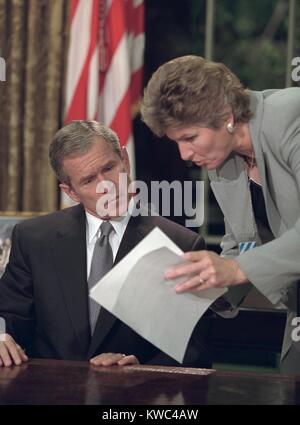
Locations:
135 231
70 260
232 183
137 228
276 224
257 105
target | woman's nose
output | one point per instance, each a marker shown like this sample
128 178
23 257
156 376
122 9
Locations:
186 152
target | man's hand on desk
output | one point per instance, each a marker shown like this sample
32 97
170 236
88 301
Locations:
10 352
110 359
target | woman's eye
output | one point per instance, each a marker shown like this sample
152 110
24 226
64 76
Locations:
190 139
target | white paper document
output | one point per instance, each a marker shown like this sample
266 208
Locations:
136 292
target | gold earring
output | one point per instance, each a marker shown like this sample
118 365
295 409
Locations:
230 128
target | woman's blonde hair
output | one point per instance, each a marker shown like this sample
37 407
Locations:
190 90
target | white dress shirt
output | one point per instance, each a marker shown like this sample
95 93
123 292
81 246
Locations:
93 232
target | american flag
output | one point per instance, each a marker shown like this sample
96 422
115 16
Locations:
105 64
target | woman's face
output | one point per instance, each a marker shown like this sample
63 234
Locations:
204 146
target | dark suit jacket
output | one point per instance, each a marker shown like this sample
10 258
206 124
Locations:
44 291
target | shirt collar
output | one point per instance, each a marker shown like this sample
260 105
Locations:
119 224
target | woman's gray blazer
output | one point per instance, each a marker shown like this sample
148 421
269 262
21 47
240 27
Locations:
273 268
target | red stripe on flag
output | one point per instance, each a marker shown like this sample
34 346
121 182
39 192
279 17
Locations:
78 106
115 27
122 121
121 20
136 85
73 8
136 19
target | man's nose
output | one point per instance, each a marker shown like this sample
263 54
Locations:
186 151
103 185
100 178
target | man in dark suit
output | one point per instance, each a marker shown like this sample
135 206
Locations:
44 290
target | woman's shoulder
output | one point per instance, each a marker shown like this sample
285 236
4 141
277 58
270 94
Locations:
275 109
288 98
281 111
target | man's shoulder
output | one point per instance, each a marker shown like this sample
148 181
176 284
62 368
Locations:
183 237
51 221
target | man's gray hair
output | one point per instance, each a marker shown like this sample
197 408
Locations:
75 139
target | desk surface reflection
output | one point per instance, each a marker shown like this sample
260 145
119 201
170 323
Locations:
70 382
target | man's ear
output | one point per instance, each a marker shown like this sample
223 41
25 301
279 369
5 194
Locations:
69 191
125 160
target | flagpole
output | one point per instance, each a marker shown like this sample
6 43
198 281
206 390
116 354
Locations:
209 29
290 42
208 54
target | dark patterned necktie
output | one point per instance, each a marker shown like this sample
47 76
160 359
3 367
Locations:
102 262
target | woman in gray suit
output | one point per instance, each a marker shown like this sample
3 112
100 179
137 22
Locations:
250 144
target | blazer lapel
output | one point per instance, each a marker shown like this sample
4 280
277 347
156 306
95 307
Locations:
276 224
135 231
70 260
257 105
232 183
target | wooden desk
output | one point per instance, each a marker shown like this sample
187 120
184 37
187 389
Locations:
70 382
